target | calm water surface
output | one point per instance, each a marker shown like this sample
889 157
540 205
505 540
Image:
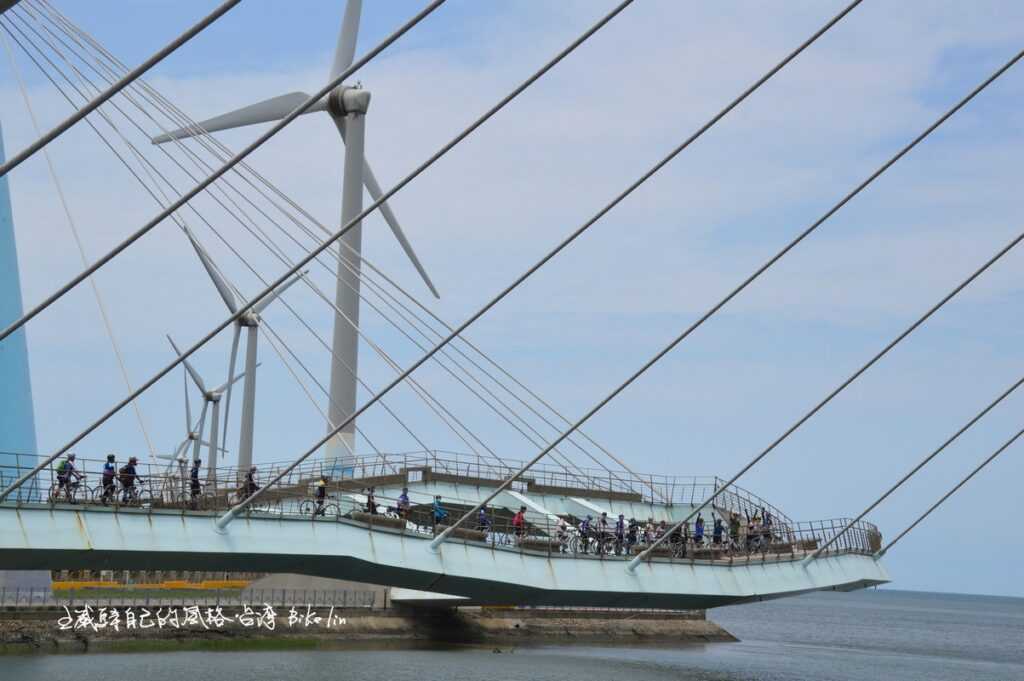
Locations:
866 636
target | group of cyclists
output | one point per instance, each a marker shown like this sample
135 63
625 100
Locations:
70 478
123 484
602 536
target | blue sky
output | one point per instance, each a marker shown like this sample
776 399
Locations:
645 272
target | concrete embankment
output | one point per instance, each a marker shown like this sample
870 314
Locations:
40 630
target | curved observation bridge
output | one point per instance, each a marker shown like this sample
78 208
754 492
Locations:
165 527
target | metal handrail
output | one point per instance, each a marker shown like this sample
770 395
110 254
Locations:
541 534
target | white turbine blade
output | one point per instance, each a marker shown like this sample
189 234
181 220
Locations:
272 109
373 187
231 380
273 295
385 210
196 378
218 281
188 404
239 377
345 50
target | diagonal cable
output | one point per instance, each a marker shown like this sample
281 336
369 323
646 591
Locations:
924 462
324 245
78 115
881 552
227 517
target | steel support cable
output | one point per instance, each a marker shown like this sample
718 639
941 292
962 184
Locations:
163 199
185 198
637 559
263 238
92 105
199 162
325 244
205 140
223 521
566 465
58 186
227 243
881 552
275 339
963 429
437 335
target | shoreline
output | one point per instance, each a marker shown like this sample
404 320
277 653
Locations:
37 632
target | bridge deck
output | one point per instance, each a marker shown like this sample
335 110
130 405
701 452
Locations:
38 536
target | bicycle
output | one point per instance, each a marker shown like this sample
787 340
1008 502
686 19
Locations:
313 509
105 493
135 495
69 489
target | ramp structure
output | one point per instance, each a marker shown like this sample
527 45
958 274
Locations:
554 558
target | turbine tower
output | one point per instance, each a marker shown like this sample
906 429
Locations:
347 107
251 322
211 399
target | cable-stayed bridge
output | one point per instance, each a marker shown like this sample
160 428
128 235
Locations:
459 532
487 562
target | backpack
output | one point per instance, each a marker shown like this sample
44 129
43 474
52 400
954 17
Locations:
62 467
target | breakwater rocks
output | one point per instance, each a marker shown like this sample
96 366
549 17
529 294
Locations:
159 629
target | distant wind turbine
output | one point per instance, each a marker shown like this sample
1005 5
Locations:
347 107
251 322
210 397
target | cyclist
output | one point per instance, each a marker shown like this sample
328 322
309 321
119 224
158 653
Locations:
250 487
519 523
128 477
620 534
371 501
632 532
649 531
716 532
321 494
585 532
483 523
403 503
109 475
65 472
562 532
193 477
734 530
438 513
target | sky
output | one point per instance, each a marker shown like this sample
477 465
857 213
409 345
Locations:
647 270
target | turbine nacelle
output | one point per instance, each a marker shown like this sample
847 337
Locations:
344 100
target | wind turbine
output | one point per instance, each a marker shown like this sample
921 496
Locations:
251 322
347 107
210 397
193 434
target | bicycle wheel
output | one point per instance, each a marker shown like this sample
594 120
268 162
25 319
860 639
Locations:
53 496
185 500
80 494
307 507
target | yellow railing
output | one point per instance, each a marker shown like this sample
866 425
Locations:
168 585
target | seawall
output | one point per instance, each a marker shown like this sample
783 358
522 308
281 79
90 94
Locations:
54 630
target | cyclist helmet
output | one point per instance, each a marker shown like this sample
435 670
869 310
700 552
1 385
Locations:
522 508
252 469
71 456
198 462
590 517
110 458
621 516
133 459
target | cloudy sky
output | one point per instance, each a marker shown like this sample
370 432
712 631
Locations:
641 275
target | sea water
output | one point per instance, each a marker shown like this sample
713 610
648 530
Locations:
862 636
